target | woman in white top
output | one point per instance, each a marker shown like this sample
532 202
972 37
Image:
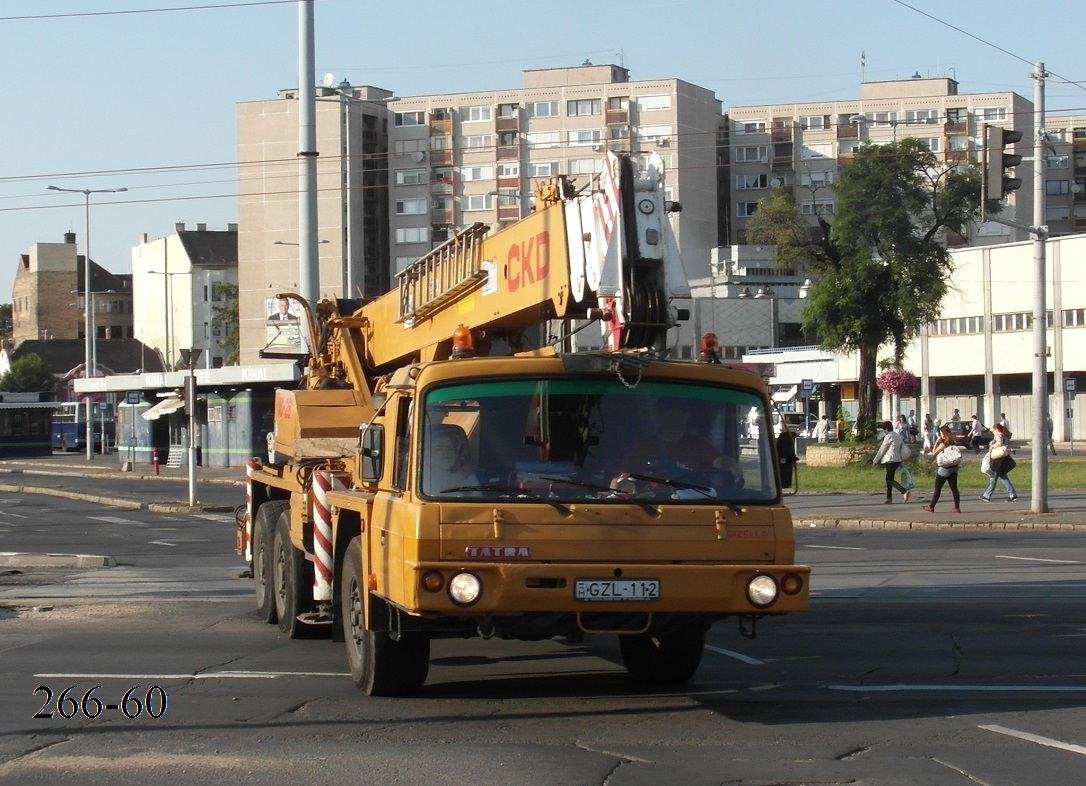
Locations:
890 456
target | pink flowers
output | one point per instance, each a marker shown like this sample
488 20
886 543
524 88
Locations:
898 381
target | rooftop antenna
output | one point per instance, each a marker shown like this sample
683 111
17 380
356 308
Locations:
863 67
621 58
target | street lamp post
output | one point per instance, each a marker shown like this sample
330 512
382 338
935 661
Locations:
88 317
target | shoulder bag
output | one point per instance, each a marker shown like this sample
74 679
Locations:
949 456
998 452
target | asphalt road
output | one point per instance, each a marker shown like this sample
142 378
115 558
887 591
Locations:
928 657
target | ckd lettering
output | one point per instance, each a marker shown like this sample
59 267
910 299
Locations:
528 262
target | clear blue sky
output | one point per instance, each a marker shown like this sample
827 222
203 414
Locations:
95 99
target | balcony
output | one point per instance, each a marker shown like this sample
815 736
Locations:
617 117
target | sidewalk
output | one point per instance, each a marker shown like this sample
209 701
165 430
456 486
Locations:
74 477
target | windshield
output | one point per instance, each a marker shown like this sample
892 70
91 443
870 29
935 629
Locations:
594 440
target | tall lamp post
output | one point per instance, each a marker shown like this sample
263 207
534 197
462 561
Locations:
88 317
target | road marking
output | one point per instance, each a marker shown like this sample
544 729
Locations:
1039 559
979 688
114 520
1023 735
838 548
162 543
737 655
16 515
211 675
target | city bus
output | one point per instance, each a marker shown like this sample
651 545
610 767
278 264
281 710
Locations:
70 426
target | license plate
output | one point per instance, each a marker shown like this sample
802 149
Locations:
617 589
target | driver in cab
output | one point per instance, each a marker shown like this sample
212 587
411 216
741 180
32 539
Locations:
678 453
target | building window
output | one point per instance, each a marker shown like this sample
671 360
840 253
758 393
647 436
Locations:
583 166
991 114
582 107
654 103
542 168
750 127
884 119
1054 187
657 134
746 209
477 114
441 203
411 207
930 116
932 143
538 139
506 111
442 115
755 153
816 179
618 103
477 202
1057 162
586 136
476 142
816 207
440 142
814 122
744 182
410 119
509 170
1057 213
542 109
477 172
413 235
403 146
410 177
1074 317
821 150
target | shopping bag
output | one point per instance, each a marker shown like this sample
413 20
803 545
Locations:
907 481
986 465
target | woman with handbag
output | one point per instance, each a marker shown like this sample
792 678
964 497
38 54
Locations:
948 456
999 453
890 455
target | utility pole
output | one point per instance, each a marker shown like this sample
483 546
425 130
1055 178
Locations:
1039 500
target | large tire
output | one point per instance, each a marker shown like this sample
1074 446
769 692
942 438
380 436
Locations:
668 659
292 592
267 516
380 665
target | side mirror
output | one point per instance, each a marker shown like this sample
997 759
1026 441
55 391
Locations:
370 451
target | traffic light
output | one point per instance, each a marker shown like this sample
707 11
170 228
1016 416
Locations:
997 183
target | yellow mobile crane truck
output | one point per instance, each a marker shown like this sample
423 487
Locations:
438 474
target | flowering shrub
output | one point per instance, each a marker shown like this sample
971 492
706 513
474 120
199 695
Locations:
898 381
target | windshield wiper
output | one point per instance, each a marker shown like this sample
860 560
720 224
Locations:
513 490
707 491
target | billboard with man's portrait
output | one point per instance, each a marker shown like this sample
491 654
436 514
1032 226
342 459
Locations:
283 324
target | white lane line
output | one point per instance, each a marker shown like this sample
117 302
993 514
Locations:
163 543
837 548
1039 559
737 655
1023 735
16 515
948 688
113 520
212 675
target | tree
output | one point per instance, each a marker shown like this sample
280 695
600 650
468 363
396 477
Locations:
28 375
881 266
5 322
228 316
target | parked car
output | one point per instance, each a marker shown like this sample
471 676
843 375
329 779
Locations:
960 430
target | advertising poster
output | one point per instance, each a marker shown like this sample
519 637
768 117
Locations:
283 325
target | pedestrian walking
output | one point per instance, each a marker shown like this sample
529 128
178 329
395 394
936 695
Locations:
947 473
999 454
929 435
1051 442
889 455
976 431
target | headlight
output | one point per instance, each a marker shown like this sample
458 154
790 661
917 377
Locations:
465 589
762 591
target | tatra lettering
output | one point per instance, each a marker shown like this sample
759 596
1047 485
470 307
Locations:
498 552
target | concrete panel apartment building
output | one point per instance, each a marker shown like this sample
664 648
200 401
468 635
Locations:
398 176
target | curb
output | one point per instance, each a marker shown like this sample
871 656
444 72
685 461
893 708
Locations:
17 559
117 502
1001 526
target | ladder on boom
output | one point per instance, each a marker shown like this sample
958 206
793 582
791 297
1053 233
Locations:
448 273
